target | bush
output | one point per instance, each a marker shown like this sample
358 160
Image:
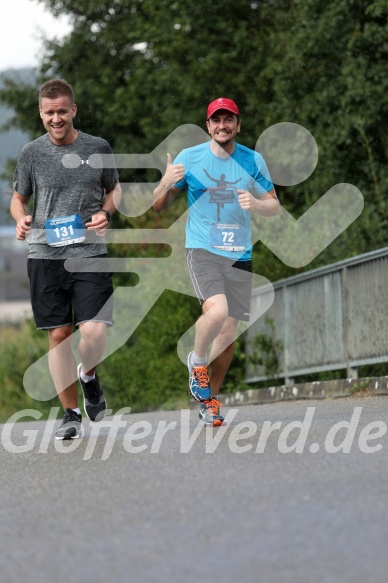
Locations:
19 348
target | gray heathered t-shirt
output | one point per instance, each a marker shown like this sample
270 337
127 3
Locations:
59 190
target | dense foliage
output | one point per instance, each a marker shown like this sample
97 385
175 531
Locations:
141 68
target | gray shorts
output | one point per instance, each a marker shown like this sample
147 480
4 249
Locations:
213 274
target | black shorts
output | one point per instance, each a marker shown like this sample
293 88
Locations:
213 274
60 297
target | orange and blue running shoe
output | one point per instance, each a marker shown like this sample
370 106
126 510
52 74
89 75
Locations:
209 412
199 387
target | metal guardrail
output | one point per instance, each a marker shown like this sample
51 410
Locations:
330 318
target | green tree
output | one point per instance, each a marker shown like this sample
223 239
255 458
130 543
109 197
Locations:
331 79
140 68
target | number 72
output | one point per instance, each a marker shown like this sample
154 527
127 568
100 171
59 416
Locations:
227 236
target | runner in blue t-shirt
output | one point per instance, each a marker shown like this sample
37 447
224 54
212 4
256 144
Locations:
225 182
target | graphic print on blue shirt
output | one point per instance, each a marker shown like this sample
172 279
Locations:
221 194
216 221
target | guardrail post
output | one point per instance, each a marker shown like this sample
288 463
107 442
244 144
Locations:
287 379
351 371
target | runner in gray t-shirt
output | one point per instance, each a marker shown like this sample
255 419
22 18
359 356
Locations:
63 182
73 200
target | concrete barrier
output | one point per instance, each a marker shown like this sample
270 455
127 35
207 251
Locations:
15 312
332 389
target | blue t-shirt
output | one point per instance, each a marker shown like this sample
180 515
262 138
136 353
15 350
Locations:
216 221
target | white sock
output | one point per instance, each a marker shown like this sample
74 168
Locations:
77 410
198 360
86 378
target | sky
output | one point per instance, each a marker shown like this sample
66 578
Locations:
22 24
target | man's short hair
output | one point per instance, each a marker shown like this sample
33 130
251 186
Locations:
56 88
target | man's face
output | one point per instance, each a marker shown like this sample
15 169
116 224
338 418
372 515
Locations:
57 116
223 126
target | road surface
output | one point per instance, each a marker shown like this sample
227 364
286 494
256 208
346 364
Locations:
284 493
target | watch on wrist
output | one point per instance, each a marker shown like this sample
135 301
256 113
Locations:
107 213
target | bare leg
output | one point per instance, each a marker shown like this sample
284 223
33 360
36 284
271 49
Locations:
209 324
221 354
62 366
92 345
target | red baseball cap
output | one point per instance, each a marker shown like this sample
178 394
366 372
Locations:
222 103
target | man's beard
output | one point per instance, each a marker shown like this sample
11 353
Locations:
223 143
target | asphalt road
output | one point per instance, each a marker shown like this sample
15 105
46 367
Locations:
158 497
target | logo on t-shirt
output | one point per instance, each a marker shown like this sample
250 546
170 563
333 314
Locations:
223 193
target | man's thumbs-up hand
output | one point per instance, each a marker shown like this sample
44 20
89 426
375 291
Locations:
174 172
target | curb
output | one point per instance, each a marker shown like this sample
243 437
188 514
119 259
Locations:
333 389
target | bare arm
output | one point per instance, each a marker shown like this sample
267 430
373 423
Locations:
165 192
268 205
19 211
99 222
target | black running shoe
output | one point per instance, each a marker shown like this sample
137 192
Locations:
71 427
94 399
